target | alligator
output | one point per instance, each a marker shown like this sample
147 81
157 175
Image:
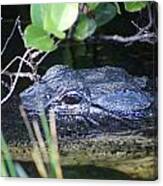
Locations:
105 117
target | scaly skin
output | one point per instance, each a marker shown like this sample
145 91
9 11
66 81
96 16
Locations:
105 117
89 95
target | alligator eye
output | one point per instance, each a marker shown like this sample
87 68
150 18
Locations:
71 99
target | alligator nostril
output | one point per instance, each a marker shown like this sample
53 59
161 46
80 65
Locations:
71 99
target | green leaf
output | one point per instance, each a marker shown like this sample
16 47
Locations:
85 27
134 6
59 34
36 37
92 6
104 13
50 27
59 17
36 15
54 18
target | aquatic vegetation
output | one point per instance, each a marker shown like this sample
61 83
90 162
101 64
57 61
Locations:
45 151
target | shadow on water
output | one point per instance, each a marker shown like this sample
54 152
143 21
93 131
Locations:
82 172
92 172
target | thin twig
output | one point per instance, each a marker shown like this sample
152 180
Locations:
143 34
16 77
10 36
143 37
20 29
136 25
35 54
42 58
21 75
149 25
13 60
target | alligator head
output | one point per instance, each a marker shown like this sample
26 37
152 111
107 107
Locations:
89 95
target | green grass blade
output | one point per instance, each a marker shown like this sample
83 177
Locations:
8 158
45 127
3 168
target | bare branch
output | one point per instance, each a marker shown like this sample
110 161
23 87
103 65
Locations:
35 54
142 38
136 25
19 28
143 34
30 53
149 25
16 78
13 60
42 58
21 75
32 76
10 36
